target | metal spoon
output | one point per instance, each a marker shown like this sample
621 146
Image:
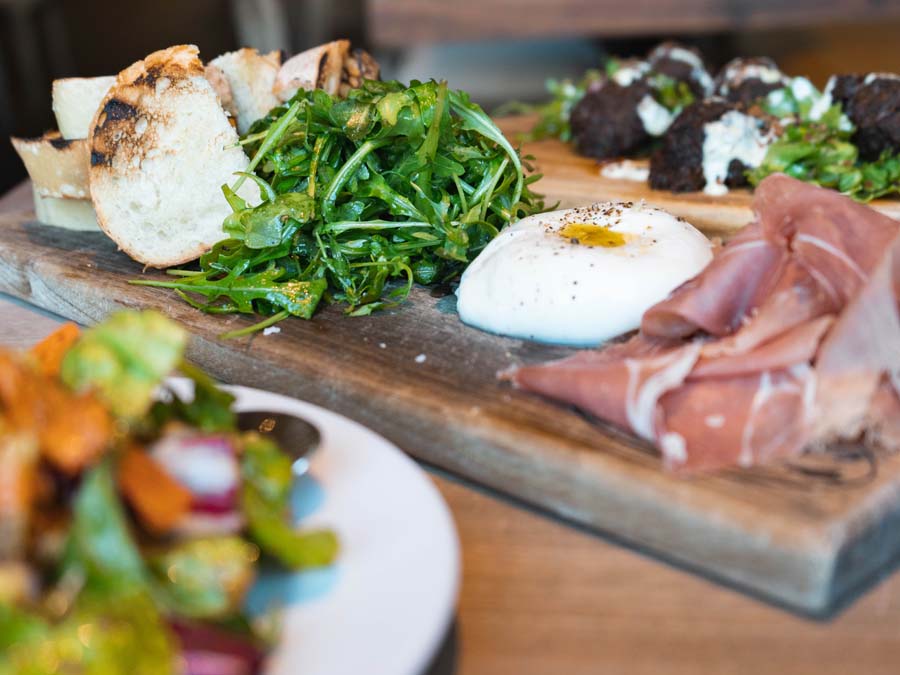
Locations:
293 434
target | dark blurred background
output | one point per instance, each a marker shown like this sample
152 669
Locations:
496 49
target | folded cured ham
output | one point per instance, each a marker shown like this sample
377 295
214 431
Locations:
789 340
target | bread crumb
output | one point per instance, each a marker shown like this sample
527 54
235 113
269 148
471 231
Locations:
271 330
421 358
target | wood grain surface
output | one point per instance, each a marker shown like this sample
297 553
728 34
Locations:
573 180
540 597
399 23
428 383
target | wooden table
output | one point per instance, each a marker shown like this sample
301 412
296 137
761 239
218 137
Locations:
540 596
399 23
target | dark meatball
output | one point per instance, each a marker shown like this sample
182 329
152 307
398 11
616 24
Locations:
843 87
875 110
605 123
678 164
683 64
748 80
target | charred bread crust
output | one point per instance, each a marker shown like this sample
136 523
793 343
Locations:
139 121
677 165
220 85
58 167
321 67
358 66
121 128
605 123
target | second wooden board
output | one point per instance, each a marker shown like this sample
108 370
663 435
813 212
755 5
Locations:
806 536
573 180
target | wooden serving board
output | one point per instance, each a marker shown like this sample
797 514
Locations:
573 180
427 382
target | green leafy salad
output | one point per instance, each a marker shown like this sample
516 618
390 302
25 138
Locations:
813 145
818 148
391 184
553 115
133 528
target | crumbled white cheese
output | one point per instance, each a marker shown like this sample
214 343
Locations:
802 88
732 136
421 358
698 70
683 55
626 169
629 71
738 73
382 345
872 77
655 117
822 103
271 330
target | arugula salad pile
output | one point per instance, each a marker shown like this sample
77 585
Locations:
392 183
113 558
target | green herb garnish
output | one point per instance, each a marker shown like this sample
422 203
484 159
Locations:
821 151
391 184
674 95
553 115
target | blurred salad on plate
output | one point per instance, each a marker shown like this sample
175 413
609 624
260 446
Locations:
133 522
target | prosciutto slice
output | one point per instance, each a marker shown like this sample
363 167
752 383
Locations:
789 339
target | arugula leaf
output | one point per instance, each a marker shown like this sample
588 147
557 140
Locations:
297 298
272 222
391 186
124 359
822 151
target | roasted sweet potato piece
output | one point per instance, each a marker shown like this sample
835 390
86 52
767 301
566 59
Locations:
157 498
77 429
72 429
49 352
18 467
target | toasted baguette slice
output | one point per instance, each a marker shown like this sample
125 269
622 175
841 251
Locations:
219 82
317 68
72 214
161 148
251 76
58 168
359 65
75 100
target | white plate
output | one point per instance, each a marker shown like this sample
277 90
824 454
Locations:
386 605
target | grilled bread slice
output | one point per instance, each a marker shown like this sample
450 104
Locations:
321 67
72 214
75 100
58 168
161 148
250 76
222 88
